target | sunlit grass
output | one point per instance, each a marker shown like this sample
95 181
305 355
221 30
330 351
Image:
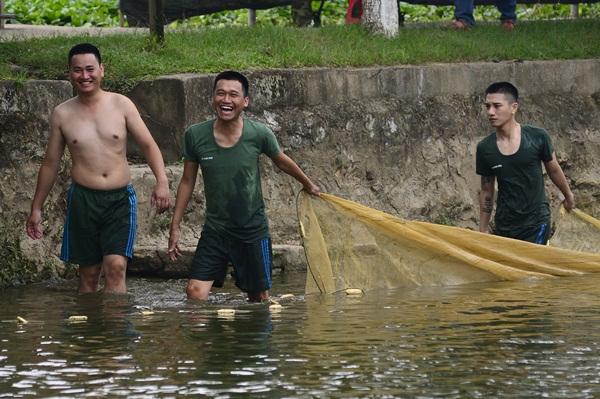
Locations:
130 58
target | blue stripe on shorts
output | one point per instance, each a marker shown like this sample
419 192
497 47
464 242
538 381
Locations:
132 221
264 243
541 234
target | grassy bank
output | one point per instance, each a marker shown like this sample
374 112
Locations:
130 58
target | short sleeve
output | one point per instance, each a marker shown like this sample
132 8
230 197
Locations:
188 146
270 146
546 149
482 167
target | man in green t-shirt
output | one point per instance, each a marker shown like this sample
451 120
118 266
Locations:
227 149
513 155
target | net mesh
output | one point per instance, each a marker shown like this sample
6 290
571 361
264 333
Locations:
349 245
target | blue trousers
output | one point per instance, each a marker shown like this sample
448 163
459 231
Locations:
463 10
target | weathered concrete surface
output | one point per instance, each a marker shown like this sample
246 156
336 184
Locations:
13 32
400 139
173 102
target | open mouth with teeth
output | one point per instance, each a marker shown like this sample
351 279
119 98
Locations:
226 109
86 83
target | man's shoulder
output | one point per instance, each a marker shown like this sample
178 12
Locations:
109 96
488 140
256 126
533 130
201 127
117 97
65 106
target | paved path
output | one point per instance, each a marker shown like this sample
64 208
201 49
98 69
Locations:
22 32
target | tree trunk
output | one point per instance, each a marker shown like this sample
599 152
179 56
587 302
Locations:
156 18
302 12
381 16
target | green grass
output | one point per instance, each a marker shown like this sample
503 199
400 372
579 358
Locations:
130 58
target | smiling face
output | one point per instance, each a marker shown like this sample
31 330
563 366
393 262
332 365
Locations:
501 109
229 100
85 73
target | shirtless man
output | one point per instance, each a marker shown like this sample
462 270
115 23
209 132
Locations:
100 225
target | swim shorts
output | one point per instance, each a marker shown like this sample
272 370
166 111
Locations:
539 234
98 223
251 261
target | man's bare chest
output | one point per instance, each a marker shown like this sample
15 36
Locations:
96 131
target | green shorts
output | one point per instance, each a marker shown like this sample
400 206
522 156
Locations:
98 223
251 261
539 234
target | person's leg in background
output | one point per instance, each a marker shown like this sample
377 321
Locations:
508 14
463 14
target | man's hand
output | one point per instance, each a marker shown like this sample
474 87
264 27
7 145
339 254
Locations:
161 198
569 202
313 190
174 251
34 225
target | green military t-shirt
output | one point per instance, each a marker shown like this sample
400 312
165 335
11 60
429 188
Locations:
522 198
234 200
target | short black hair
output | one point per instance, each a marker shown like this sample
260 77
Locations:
505 88
85 48
233 75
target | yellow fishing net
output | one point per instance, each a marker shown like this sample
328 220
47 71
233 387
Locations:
349 245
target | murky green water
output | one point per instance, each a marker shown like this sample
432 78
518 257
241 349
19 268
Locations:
524 339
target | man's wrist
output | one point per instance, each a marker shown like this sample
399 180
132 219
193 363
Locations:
162 181
36 209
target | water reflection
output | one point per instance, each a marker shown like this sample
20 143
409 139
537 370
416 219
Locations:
519 339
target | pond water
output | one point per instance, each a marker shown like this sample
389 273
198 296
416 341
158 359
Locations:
536 338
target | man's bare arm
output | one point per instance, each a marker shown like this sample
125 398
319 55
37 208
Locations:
137 128
184 193
486 202
557 176
290 167
46 176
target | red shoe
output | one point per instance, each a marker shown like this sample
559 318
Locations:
508 25
459 24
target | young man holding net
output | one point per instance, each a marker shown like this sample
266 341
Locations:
513 155
227 149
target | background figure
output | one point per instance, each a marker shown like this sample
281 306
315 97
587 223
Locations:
463 13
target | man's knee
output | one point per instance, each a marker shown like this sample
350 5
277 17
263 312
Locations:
89 277
115 268
198 289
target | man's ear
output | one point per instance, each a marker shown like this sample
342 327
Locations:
515 107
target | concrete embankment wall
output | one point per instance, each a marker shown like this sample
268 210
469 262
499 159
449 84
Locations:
401 139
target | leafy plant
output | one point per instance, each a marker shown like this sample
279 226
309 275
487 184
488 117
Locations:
106 13
65 12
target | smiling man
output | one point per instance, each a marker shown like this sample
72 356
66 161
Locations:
227 149
100 226
513 155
